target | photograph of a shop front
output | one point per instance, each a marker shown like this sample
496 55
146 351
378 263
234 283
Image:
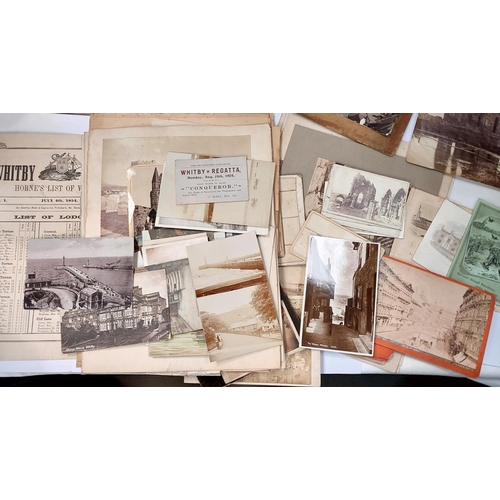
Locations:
340 296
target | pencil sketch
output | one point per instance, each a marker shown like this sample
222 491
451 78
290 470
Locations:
441 241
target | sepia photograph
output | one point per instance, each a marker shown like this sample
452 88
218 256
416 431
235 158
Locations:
314 198
340 296
441 241
421 208
366 202
79 273
146 319
234 299
302 368
461 144
432 318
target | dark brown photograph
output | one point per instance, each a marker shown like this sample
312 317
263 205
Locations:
340 295
461 144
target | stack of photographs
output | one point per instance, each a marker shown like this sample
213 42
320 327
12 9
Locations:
366 203
234 298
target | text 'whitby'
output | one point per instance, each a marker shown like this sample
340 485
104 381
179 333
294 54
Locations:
17 172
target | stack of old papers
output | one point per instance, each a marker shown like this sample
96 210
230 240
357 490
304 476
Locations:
191 245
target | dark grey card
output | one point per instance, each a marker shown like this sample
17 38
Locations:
307 145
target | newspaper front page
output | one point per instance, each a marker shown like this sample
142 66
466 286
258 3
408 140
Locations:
40 197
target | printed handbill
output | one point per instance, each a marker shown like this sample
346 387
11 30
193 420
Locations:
212 180
40 193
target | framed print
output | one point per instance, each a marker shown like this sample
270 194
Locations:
380 131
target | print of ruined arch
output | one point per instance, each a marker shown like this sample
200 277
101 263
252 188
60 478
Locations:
362 193
391 206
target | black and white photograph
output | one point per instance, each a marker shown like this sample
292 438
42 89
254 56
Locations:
431 317
461 144
186 336
340 297
147 319
365 202
234 298
144 183
441 241
383 123
79 273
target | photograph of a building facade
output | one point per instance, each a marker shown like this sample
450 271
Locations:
431 315
340 295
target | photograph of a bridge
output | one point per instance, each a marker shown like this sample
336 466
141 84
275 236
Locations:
80 273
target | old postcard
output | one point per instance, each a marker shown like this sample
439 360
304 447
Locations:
90 273
432 318
40 197
421 208
145 319
186 336
112 151
319 225
340 295
441 241
255 212
234 298
211 180
477 261
461 144
302 368
366 202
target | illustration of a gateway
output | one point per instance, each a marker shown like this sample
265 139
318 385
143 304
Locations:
63 167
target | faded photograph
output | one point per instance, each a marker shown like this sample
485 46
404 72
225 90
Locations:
441 241
383 123
146 319
366 200
79 273
431 315
340 297
301 368
462 144
421 209
234 299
